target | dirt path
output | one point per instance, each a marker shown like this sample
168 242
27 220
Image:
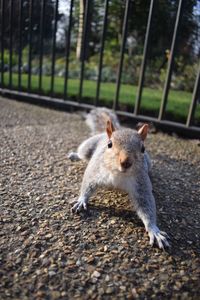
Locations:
48 253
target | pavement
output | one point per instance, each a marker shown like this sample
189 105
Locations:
46 252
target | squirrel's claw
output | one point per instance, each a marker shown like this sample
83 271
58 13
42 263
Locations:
81 203
159 236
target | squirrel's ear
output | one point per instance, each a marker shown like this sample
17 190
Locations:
143 131
109 128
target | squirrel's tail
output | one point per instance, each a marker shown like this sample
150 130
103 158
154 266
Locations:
98 117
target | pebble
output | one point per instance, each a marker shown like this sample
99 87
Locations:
109 290
96 274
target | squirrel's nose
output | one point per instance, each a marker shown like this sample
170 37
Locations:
125 164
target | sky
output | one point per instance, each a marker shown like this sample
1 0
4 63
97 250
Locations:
64 5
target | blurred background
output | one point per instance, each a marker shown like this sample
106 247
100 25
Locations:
41 39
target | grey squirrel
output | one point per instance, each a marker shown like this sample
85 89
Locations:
117 158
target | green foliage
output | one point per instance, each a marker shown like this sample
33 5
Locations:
7 58
185 81
25 53
177 108
183 77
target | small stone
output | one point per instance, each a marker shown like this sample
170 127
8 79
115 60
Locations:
107 278
55 294
52 273
71 262
105 248
182 272
112 222
190 242
18 228
95 274
94 280
99 253
48 236
134 293
78 262
90 268
90 259
109 290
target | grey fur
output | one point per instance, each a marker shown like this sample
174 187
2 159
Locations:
97 117
103 170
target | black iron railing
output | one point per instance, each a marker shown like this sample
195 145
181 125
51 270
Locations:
8 89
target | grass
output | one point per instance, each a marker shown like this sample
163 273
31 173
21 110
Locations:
177 106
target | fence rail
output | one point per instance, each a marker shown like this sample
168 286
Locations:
28 93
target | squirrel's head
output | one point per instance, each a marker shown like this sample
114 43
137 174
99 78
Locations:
125 147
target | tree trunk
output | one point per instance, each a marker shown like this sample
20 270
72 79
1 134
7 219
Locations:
79 47
82 48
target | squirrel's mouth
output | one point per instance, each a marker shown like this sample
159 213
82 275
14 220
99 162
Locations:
123 170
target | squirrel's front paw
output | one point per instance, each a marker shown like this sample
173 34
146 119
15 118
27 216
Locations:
81 203
159 236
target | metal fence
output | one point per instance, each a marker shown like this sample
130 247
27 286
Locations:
13 91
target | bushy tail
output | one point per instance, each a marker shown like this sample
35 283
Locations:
98 117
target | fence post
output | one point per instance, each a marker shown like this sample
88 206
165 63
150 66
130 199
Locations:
124 34
30 43
101 51
143 65
68 43
88 4
10 42
53 47
42 19
194 99
2 42
170 64
20 44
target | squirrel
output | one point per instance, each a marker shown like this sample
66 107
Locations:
117 158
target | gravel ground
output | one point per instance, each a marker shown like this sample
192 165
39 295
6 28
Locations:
46 252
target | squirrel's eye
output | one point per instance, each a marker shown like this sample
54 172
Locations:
142 149
110 144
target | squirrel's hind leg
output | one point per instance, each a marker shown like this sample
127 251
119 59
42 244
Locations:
86 149
74 156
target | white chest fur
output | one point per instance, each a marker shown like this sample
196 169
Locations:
119 180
